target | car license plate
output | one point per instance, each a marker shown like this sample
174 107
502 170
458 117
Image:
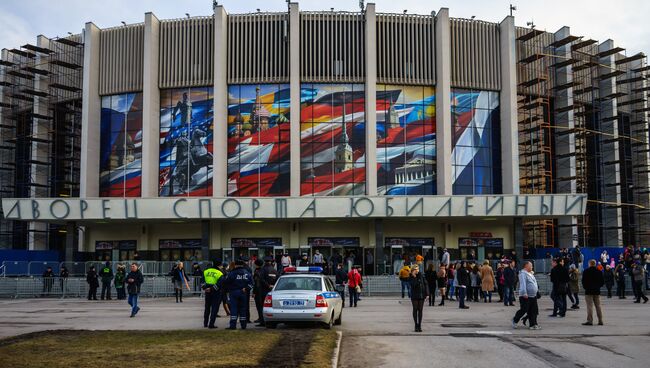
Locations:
293 303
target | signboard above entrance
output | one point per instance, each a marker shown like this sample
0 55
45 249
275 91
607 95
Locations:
76 209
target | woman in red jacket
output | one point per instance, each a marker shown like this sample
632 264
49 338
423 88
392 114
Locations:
354 286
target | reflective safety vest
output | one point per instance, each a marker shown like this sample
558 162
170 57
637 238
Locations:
212 275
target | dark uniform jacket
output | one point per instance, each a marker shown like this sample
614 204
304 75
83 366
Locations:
106 274
560 279
268 276
592 281
238 279
91 279
341 276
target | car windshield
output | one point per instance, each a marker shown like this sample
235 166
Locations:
299 283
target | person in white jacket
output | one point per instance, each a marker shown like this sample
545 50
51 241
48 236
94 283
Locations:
528 290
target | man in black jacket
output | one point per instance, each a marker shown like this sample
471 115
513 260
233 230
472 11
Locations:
133 281
462 277
560 281
341 279
509 280
592 281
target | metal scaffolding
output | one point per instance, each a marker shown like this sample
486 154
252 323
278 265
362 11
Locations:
583 128
40 129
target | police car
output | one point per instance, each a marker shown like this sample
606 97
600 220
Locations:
303 294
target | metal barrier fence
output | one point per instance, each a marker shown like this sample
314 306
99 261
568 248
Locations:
161 286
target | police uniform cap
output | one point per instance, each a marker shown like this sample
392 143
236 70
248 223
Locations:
239 262
244 258
268 259
216 262
259 262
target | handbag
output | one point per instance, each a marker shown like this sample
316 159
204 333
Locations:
357 288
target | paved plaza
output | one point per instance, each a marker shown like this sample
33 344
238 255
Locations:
379 332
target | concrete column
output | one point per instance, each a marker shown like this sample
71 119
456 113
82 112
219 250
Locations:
220 149
612 222
40 151
150 107
70 241
371 99
565 142
379 244
206 238
294 112
443 102
641 153
90 115
518 239
215 236
508 107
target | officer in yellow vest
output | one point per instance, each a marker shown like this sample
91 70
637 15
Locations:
212 280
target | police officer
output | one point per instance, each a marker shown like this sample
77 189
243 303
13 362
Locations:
106 275
246 260
268 275
239 283
212 278
257 289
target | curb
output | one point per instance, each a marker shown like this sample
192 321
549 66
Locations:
337 350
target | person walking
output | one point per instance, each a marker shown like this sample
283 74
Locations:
419 292
560 281
460 283
93 283
179 279
106 275
619 274
354 286
608 275
133 281
528 294
498 275
239 283
638 275
120 279
592 281
574 286
212 285
404 279
442 283
341 280
487 281
63 280
431 277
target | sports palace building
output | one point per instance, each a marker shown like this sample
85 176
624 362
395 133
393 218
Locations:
362 133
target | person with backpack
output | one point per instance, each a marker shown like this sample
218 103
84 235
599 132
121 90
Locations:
120 279
419 292
404 279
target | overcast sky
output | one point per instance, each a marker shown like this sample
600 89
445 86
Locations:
624 21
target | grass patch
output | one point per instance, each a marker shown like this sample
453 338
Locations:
321 350
160 349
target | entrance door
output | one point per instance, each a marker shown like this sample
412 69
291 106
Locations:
325 252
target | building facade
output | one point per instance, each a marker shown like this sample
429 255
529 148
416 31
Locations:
365 134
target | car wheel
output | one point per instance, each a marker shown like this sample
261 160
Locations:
270 325
328 325
339 320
